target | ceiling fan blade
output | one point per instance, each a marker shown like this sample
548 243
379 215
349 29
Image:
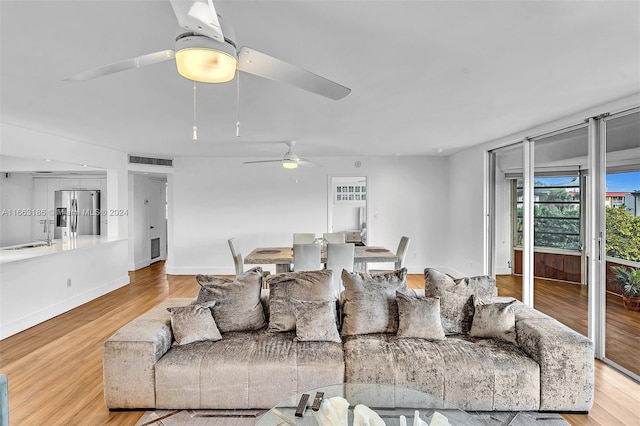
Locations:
305 162
127 64
263 161
257 63
198 16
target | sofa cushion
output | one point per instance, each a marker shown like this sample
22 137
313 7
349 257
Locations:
456 304
245 370
193 323
370 301
315 321
470 373
304 285
494 320
238 306
419 317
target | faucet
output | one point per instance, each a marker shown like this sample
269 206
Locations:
47 229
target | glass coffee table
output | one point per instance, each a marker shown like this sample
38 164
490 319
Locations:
388 401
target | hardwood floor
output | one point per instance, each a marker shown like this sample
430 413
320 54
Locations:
55 368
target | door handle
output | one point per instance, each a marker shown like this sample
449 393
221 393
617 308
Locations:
151 227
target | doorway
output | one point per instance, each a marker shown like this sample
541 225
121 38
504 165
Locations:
347 207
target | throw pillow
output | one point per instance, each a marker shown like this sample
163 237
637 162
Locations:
419 317
193 323
496 320
315 286
315 321
238 306
370 301
456 304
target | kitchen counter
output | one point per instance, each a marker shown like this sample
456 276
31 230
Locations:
16 253
39 283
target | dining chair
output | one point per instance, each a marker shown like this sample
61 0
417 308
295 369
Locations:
239 264
335 237
303 238
306 257
401 253
237 257
339 257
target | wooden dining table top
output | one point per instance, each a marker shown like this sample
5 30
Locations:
284 255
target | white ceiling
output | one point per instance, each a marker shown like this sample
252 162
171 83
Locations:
425 75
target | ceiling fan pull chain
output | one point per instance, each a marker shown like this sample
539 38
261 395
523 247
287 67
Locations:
195 126
238 103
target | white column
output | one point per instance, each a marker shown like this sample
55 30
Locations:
527 221
117 209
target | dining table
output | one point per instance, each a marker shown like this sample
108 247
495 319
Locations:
282 257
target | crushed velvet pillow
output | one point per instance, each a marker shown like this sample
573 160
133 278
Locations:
193 323
495 320
456 297
370 301
238 306
314 286
419 317
315 321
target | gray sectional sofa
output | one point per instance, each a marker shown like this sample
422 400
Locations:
453 340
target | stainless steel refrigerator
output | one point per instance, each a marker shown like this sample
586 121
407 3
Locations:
77 213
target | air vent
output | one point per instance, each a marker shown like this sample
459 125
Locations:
136 159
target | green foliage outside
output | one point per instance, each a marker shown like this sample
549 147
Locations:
623 234
556 217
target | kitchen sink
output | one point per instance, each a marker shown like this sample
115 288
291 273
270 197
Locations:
25 246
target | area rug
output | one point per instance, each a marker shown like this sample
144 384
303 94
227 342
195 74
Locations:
250 417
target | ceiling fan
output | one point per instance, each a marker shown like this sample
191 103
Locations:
205 51
289 161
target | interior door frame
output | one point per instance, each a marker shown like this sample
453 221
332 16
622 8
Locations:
330 200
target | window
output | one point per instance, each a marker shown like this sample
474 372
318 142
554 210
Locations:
350 193
556 211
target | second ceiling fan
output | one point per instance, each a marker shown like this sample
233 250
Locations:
289 160
205 51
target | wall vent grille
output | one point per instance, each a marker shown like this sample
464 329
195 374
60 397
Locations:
155 248
151 161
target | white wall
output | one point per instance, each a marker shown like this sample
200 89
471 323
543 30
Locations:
15 198
466 209
212 200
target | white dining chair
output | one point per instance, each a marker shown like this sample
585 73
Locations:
306 257
339 257
303 238
237 257
335 237
401 253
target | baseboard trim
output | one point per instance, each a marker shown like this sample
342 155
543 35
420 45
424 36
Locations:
191 270
139 265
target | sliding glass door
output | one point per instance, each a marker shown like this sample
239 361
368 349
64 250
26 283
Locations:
505 215
564 226
622 242
559 262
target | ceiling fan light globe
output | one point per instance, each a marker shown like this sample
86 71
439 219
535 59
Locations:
205 60
289 164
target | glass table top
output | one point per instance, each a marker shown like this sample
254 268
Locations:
387 401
